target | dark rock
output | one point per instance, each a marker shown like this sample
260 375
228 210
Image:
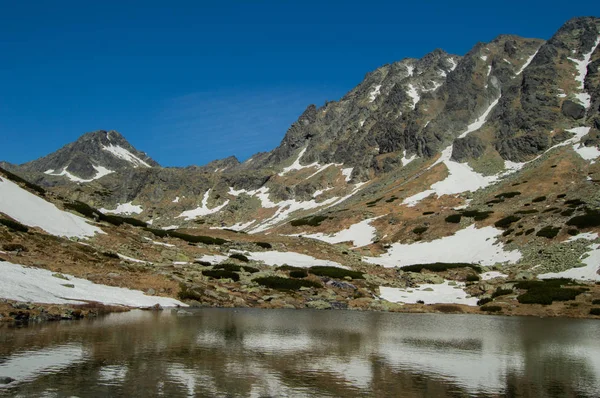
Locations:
468 147
6 380
572 109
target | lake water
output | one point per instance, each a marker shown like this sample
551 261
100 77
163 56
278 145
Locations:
302 353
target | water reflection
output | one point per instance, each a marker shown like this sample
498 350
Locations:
260 353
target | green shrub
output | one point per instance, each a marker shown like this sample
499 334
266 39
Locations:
595 311
390 200
551 209
426 213
573 231
539 199
548 232
335 272
476 214
472 278
506 221
567 213
13 225
279 283
574 202
208 240
562 195
221 274
15 178
312 221
439 267
596 301
298 274
588 220
112 255
374 202
420 230
507 195
519 233
250 269
264 245
494 201
453 218
288 268
185 293
484 301
90 212
530 231
203 263
228 267
240 257
491 308
501 292
508 232
548 290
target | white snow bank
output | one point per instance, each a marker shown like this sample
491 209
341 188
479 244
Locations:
289 258
101 171
203 209
469 245
296 165
213 258
582 66
347 173
590 271
34 211
526 63
414 95
429 293
124 208
480 121
406 160
240 226
486 276
158 243
39 286
124 154
361 234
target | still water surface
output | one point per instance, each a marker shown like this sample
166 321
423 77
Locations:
302 353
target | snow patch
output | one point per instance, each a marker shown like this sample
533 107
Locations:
414 95
590 271
486 276
176 200
361 234
582 66
101 171
429 293
125 208
374 93
469 245
347 173
39 286
124 154
526 63
274 258
203 209
34 211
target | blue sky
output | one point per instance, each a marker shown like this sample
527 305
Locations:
193 81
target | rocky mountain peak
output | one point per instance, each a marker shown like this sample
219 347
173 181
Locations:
92 156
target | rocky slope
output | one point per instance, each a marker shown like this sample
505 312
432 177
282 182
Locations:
487 159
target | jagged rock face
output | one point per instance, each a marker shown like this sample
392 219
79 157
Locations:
92 156
509 99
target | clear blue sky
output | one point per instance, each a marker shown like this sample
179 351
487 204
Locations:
190 82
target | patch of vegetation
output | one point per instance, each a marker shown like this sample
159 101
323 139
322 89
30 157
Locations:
14 247
574 202
588 220
539 199
279 283
484 301
335 272
530 231
264 245
548 231
528 211
393 198
595 311
426 213
567 212
562 195
472 278
506 221
420 230
501 292
439 267
547 291
312 221
186 293
288 268
298 274
203 263
95 214
374 202
494 201
207 240
596 301
508 195
13 225
519 233
15 178
240 257
573 231
491 308
476 214
235 268
454 218
508 232
112 255
221 274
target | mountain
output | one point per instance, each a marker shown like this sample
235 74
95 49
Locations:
91 157
489 159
